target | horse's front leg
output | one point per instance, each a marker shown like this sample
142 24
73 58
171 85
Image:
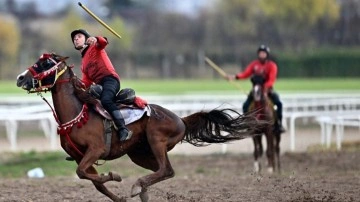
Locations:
101 188
258 150
277 151
90 157
270 150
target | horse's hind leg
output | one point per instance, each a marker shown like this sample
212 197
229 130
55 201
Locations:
156 161
258 150
277 151
147 161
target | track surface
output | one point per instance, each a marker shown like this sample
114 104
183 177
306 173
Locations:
321 176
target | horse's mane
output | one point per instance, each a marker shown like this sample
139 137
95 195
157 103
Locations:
81 92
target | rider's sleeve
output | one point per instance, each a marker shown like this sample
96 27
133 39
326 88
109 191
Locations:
247 72
272 75
101 42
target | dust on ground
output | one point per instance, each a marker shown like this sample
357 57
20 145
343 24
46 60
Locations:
312 176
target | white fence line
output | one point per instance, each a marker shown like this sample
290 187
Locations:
14 110
11 117
339 122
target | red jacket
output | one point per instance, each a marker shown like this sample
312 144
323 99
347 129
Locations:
96 64
268 70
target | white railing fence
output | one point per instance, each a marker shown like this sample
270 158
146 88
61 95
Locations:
329 110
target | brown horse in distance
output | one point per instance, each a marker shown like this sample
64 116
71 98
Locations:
263 109
153 135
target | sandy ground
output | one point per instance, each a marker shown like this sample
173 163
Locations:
305 177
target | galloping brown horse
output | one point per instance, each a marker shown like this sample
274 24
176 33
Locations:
263 109
81 129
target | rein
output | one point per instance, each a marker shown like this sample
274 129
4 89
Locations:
65 128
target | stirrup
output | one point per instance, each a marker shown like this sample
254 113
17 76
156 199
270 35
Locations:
128 135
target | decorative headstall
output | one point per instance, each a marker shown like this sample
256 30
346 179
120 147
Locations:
38 77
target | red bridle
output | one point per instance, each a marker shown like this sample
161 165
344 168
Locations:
38 77
79 120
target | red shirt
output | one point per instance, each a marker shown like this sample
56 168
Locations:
268 70
96 64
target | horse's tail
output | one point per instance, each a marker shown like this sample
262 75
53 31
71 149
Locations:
219 126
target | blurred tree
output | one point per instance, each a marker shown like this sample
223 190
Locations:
295 20
231 30
348 29
61 41
10 42
117 49
234 22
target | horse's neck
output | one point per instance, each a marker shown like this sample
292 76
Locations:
66 104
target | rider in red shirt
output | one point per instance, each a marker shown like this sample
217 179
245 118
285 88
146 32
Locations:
97 69
267 69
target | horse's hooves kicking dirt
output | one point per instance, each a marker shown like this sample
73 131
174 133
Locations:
135 190
115 177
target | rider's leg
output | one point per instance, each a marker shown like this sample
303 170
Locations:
110 87
247 103
276 100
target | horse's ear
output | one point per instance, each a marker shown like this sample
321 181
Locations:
45 56
59 58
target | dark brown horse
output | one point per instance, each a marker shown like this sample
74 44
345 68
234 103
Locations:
81 129
264 110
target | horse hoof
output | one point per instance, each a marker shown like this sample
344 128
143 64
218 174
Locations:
122 199
256 167
270 170
115 177
144 196
135 190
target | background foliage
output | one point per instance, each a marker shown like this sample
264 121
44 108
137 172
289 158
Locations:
308 38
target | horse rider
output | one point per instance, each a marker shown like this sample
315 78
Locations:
97 68
266 68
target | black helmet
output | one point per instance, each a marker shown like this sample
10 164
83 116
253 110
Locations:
77 31
264 48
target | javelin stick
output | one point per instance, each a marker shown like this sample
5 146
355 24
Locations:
99 20
221 72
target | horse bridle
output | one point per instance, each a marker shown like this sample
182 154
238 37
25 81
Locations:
37 78
257 92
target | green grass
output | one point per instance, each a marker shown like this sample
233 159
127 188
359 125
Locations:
16 165
217 85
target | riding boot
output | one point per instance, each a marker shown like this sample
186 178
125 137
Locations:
280 126
122 131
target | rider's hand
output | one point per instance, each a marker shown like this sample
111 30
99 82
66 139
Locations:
91 40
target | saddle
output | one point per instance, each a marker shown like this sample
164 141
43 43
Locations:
125 98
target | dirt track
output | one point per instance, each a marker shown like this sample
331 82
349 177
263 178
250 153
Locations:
316 177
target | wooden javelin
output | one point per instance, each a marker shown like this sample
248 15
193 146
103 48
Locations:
222 73
99 20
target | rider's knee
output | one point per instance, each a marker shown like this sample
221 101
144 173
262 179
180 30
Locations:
105 101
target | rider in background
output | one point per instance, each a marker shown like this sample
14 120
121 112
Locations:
97 68
267 69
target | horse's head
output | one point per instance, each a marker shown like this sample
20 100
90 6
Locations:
43 74
258 83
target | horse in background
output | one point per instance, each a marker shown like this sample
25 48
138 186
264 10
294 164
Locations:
264 110
86 137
